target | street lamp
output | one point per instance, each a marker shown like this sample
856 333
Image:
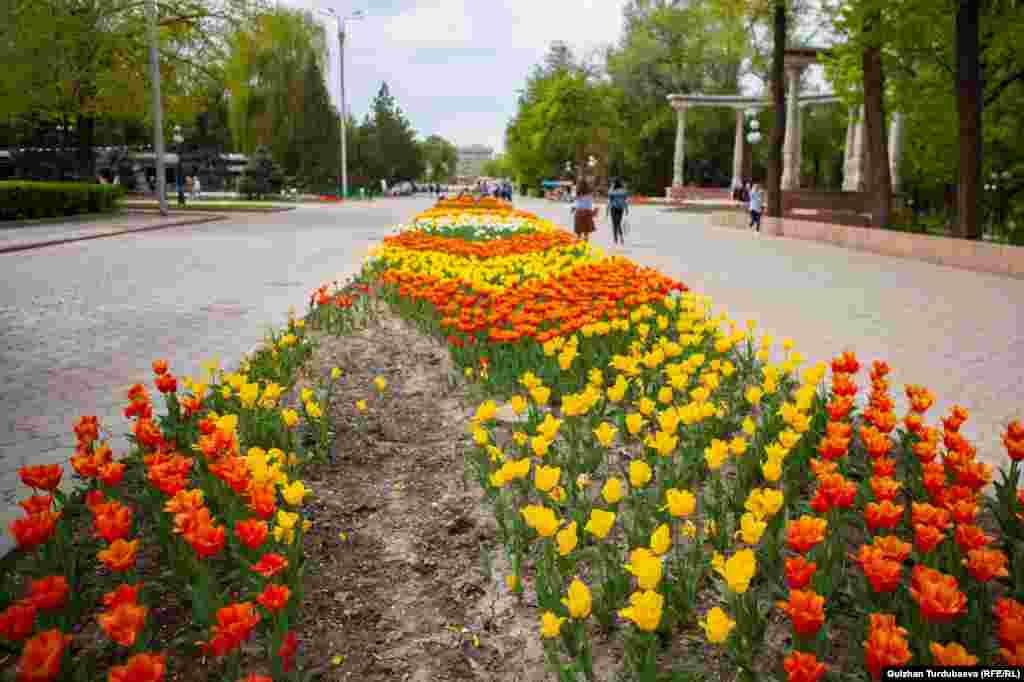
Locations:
754 136
355 16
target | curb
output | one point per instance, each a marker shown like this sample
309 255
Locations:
162 226
201 210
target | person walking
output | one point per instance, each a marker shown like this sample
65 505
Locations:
583 209
197 188
181 189
756 206
618 206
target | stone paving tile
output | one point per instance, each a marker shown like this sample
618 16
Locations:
81 322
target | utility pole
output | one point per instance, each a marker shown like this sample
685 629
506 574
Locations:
355 16
158 114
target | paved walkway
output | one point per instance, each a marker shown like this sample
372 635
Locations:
956 332
81 322
32 236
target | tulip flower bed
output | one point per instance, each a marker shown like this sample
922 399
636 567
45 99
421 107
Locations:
181 558
663 475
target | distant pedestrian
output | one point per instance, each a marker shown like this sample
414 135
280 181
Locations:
181 189
197 188
583 209
618 206
756 206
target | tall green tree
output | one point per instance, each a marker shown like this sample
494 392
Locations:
439 158
391 141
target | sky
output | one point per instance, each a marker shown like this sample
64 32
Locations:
455 67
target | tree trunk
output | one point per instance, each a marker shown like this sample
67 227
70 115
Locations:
778 135
969 93
874 126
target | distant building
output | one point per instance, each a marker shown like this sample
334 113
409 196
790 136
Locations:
471 160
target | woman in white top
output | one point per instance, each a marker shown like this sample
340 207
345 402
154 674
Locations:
584 211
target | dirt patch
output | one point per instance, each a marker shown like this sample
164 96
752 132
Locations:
405 578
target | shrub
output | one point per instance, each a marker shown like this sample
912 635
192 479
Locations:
21 200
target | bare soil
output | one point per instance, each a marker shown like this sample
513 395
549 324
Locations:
404 577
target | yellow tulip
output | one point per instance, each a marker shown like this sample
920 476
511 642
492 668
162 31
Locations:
646 566
578 600
546 478
612 490
644 610
600 523
679 502
567 539
551 625
717 625
661 539
739 570
639 473
751 529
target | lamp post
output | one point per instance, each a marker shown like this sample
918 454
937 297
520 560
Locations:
178 138
355 16
158 114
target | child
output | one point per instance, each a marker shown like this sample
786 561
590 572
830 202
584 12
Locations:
756 207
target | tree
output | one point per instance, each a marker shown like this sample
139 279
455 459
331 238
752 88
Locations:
97 49
969 104
391 141
439 158
497 167
778 134
262 176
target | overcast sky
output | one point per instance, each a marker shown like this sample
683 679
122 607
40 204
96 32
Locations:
456 66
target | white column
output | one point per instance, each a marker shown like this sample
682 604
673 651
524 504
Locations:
896 150
738 150
791 145
854 179
851 127
680 156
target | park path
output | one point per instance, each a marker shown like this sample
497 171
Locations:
956 332
81 322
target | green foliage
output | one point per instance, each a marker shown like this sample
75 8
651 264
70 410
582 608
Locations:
392 153
439 158
262 176
28 200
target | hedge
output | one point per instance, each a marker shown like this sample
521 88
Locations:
28 200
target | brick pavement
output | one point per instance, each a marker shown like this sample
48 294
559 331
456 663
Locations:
81 322
25 237
959 333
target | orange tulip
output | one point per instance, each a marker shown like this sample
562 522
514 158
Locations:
34 530
252 533
1013 439
287 651
882 515
927 538
48 593
123 623
124 594
263 500
883 467
270 565
885 488
805 533
886 645
799 572
952 655
206 539
41 657
1013 654
185 501
985 564
234 625
970 537
139 668
113 522
159 367
892 547
120 556
17 621
803 667
87 429
94 499
111 474
274 597
936 594
806 609
42 476
253 677
882 572
37 504
167 383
